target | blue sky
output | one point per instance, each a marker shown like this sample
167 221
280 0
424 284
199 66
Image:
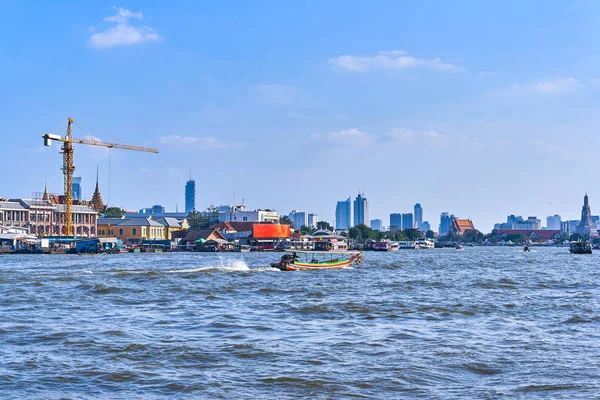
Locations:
481 109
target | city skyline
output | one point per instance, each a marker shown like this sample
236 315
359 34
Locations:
470 79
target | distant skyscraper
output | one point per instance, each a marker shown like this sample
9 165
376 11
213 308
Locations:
343 214
553 223
376 224
445 223
76 192
312 220
361 210
425 226
586 227
299 218
395 222
190 195
418 216
407 221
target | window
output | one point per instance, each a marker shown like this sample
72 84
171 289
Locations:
245 218
134 231
121 232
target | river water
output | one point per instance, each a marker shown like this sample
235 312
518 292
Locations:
479 323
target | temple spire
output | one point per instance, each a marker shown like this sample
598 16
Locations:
46 196
97 203
586 226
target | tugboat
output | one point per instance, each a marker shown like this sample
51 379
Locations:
580 247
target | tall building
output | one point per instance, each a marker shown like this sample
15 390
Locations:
445 223
190 195
586 227
299 218
155 209
76 188
418 216
312 220
407 221
425 226
361 210
530 224
376 224
343 214
395 222
553 223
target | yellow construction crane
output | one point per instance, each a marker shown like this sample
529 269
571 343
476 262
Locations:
68 167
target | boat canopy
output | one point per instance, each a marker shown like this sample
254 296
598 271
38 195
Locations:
323 252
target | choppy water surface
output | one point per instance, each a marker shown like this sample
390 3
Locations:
478 323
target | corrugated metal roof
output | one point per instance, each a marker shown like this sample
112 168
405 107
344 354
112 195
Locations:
11 205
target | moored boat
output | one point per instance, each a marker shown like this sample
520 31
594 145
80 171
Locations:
424 244
382 246
580 248
312 260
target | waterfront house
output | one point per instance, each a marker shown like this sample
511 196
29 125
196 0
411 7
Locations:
535 235
193 239
172 225
132 231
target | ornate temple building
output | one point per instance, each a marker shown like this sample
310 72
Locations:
586 227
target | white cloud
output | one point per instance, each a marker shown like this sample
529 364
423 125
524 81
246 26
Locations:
557 86
347 137
394 59
192 142
123 32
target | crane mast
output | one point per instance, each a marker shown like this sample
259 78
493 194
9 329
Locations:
68 167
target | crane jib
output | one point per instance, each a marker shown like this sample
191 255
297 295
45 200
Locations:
68 166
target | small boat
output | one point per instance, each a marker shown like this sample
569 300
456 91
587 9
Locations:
526 248
244 248
424 244
382 246
580 248
292 260
459 247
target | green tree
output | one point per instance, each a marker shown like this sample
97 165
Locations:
324 225
518 238
576 237
306 230
430 234
412 234
203 219
114 212
472 236
285 220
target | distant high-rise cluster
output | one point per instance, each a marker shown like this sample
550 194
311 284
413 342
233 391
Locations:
343 214
445 223
395 222
376 224
313 219
418 216
407 221
299 218
361 210
76 191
